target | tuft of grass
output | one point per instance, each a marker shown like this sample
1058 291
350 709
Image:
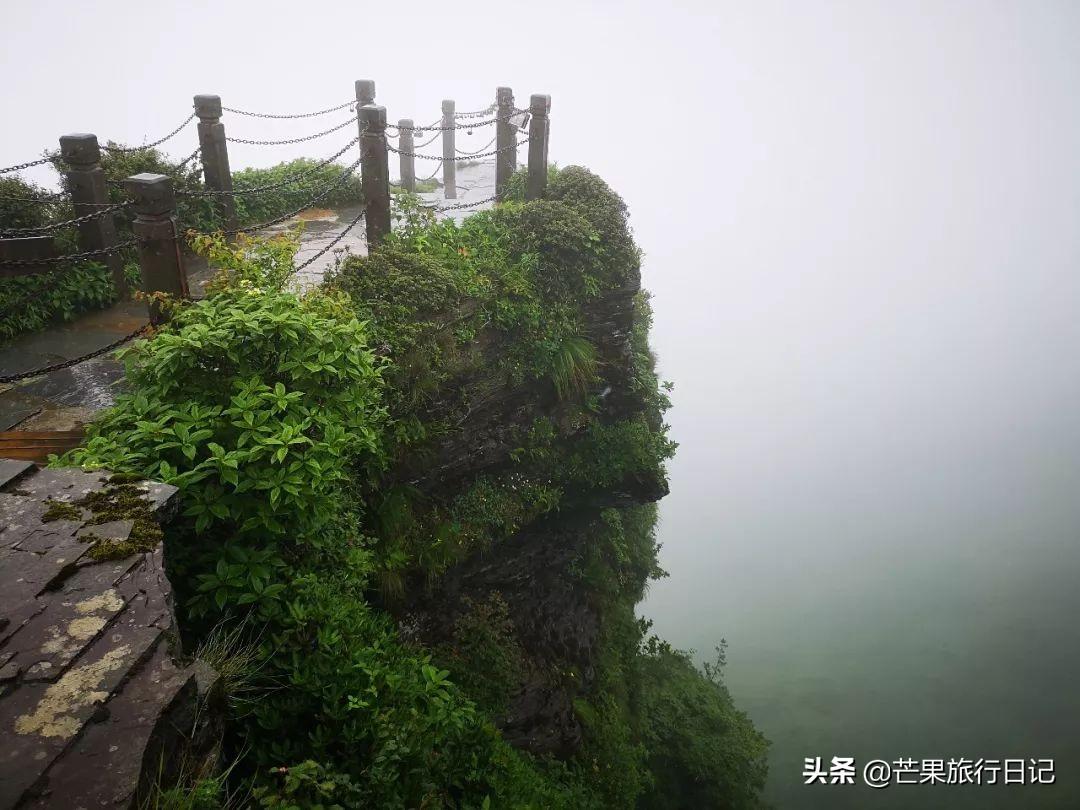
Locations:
234 655
573 367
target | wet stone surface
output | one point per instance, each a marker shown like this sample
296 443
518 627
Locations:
88 682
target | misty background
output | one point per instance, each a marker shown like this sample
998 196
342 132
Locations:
860 229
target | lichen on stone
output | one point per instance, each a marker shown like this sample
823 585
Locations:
57 713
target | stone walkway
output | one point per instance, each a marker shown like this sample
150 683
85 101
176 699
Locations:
90 693
67 399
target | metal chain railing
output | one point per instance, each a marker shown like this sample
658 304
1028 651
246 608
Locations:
459 159
273 186
342 125
438 169
158 142
20 166
48 198
183 163
435 126
478 113
70 257
309 204
293 115
53 226
462 205
478 151
329 245
474 125
427 143
116 344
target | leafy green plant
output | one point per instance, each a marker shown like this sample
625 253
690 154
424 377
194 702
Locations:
484 654
193 212
29 303
307 786
313 178
703 752
252 401
17 206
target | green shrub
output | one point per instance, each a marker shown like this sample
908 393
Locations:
30 303
252 402
265 206
389 727
484 654
703 752
605 210
192 212
17 210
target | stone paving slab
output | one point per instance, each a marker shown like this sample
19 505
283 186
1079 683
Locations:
87 679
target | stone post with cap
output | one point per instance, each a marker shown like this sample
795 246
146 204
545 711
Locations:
86 183
505 140
161 260
449 147
375 179
539 128
215 158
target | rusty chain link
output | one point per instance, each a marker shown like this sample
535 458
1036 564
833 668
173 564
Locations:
129 149
343 124
294 115
442 128
432 175
10 378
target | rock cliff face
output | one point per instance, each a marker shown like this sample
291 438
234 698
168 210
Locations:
94 705
554 615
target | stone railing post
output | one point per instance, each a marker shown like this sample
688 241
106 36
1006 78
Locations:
505 140
539 129
214 151
86 182
375 179
449 144
161 260
365 92
408 162
365 95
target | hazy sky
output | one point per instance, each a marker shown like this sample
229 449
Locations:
860 222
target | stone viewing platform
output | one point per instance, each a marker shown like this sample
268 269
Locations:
95 706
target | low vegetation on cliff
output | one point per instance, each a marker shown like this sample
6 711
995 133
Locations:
421 501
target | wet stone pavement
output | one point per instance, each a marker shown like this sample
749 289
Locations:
66 399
